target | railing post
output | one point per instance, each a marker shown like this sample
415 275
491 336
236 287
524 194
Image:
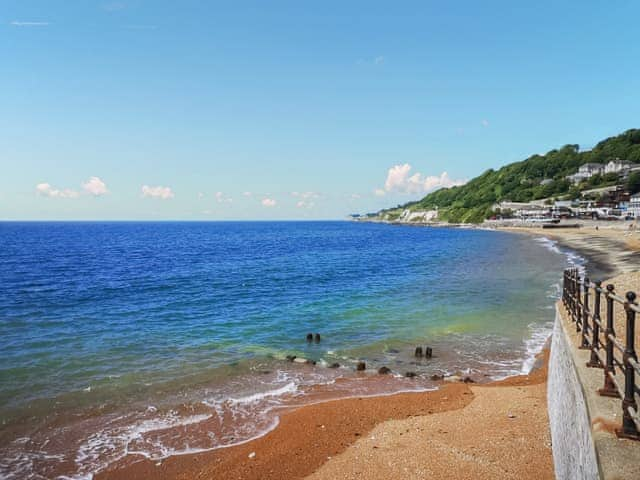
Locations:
594 361
609 388
573 296
578 305
629 429
584 344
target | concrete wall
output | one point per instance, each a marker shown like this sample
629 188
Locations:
574 453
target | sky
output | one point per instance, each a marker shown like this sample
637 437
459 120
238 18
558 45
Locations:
203 110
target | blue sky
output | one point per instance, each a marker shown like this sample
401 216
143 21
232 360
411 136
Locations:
140 109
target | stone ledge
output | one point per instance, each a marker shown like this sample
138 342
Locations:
617 458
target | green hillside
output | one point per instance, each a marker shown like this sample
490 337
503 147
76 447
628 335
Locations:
520 181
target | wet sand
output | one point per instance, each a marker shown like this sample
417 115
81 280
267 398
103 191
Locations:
497 430
612 248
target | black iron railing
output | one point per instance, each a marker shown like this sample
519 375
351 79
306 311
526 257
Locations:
582 299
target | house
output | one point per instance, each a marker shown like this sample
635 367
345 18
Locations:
546 181
634 205
617 166
585 171
591 169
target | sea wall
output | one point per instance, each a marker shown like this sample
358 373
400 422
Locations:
574 453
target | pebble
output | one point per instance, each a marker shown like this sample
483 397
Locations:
252 455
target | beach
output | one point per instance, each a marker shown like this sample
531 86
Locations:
459 431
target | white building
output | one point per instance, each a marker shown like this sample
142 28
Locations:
634 205
585 171
617 166
591 168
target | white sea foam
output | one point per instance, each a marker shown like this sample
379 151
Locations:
539 334
549 244
288 388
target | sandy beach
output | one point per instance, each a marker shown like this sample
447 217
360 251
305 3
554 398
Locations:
458 431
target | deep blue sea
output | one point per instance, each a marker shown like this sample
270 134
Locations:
115 336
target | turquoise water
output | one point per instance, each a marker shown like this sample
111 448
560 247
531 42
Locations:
114 335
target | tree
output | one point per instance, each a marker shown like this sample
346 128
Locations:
633 183
520 181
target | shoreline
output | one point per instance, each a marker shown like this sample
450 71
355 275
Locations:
609 250
310 437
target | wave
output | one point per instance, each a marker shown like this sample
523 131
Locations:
539 334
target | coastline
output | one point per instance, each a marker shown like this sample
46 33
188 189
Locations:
609 249
324 437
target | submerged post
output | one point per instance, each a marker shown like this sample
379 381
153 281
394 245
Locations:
609 388
629 428
594 361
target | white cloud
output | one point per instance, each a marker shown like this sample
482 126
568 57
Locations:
220 198
399 180
247 194
485 123
378 60
46 190
200 195
17 23
355 196
379 192
158 191
95 186
305 204
268 202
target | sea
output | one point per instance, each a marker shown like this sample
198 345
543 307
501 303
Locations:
122 341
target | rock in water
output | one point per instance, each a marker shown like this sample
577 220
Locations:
317 338
468 380
334 365
435 377
410 374
291 358
309 337
384 370
428 352
418 352
361 366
